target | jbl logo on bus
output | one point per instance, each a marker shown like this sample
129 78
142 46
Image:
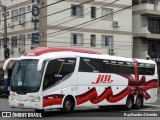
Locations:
102 79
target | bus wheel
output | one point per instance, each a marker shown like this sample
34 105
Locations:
139 102
129 103
39 111
67 105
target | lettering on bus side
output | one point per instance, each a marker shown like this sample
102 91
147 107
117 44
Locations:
103 79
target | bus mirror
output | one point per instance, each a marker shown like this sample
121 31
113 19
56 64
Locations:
5 65
40 63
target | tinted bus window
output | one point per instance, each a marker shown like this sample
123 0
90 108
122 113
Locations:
146 69
58 70
118 67
91 65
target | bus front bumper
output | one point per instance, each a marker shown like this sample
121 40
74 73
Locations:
25 104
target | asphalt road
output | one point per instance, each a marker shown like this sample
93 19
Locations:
87 113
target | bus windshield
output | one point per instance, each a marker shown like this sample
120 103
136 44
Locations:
25 77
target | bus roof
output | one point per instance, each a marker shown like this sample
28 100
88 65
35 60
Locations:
42 50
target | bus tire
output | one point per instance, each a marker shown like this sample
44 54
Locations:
139 102
68 105
129 102
39 111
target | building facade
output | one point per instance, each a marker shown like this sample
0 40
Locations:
146 30
69 23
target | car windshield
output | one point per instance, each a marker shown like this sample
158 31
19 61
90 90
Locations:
25 77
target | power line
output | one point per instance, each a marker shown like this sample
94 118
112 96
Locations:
54 12
92 47
83 47
86 43
89 21
116 12
31 10
78 17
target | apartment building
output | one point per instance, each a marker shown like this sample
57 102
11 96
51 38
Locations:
146 30
68 23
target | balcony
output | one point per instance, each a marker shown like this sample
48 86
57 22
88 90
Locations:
147 32
140 31
147 7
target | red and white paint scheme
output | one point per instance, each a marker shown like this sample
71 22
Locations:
64 78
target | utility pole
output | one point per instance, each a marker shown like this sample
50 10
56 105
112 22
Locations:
5 45
5 39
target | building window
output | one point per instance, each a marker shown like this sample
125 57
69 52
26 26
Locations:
155 47
22 41
93 40
22 14
43 3
28 8
93 12
14 15
107 13
7 13
14 41
107 40
154 25
77 39
77 10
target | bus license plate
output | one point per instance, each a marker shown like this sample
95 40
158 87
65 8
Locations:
21 105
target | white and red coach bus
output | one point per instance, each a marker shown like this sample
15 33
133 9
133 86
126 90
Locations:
64 78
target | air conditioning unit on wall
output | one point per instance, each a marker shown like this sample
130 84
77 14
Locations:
12 25
21 22
21 50
116 24
28 36
111 51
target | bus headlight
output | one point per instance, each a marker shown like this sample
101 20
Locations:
36 99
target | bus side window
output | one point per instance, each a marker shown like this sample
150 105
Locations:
58 70
118 67
146 69
91 65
